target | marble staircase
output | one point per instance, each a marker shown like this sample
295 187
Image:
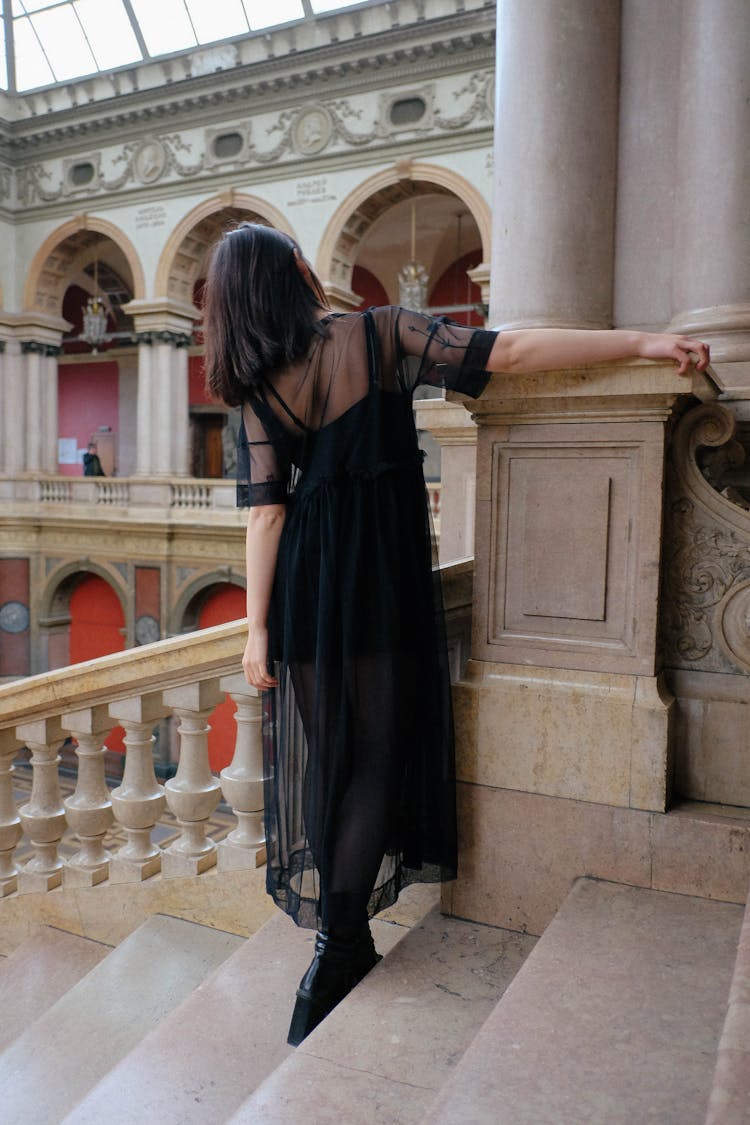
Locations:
615 1014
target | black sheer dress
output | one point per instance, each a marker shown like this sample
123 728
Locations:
358 736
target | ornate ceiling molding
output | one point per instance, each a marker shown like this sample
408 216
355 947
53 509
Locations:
399 52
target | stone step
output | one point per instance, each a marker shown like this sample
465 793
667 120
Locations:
202 1061
39 972
614 1018
46 1071
386 1049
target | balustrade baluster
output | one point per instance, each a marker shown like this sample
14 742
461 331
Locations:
193 793
89 810
10 822
242 780
139 801
43 817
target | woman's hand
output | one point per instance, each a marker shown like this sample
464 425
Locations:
682 349
255 659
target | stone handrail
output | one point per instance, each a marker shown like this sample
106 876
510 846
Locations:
185 677
170 493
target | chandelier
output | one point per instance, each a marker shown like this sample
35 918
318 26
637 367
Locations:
94 316
412 277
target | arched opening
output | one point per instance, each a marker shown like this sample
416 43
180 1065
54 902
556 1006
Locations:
401 220
97 373
87 620
181 276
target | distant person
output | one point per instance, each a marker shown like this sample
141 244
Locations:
92 466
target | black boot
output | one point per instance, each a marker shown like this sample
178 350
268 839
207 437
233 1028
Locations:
338 965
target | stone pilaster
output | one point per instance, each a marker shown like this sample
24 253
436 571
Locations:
555 163
164 332
29 374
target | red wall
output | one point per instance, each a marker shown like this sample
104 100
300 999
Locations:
88 399
225 603
455 288
97 622
369 288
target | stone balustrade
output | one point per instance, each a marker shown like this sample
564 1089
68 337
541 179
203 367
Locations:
185 677
163 492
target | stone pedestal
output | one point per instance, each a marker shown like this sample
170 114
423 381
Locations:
456 434
564 697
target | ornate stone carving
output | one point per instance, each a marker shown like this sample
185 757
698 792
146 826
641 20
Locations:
303 132
706 588
148 160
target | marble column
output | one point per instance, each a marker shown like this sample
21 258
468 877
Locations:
33 377
711 286
164 332
555 163
13 398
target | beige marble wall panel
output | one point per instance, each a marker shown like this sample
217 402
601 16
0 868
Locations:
580 735
712 749
519 854
568 544
702 852
235 901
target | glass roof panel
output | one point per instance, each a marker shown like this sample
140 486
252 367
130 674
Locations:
267 15
330 5
217 19
22 7
165 26
109 32
57 40
63 42
32 68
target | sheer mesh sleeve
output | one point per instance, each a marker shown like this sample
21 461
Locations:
449 355
262 471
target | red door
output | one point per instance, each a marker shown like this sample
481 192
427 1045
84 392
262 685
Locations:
97 627
224 603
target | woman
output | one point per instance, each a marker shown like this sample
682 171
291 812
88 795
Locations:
344 621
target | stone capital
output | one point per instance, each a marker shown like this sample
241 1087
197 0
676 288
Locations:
633 389
165 315
448 422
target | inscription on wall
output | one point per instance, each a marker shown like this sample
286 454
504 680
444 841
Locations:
149 217
314 190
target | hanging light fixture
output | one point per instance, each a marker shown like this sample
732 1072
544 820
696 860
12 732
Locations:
412 278
94 316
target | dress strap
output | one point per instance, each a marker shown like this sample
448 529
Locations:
287 410
373 348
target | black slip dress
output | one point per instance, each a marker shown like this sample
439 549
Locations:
358 735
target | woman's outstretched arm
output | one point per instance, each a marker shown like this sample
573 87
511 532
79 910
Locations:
264 526
525 350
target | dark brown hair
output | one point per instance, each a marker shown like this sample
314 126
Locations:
259 311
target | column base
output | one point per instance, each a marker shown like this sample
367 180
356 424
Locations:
233 857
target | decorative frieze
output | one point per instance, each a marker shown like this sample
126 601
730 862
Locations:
305 131
36 347
177 339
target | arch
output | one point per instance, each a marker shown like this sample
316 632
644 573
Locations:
49 270
360 209
62 580
181 258
183 617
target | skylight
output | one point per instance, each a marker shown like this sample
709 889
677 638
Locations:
47 41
